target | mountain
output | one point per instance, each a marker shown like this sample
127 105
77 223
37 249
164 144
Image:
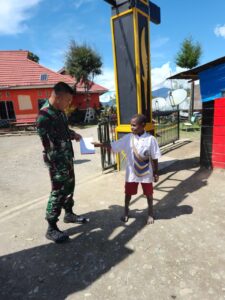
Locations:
109 103
108 98
162 92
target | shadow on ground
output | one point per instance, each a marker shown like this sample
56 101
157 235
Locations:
55 271
170 206
174 146
81 161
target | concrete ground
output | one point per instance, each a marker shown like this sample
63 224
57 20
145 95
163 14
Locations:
181 256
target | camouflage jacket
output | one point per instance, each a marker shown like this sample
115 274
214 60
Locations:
52 127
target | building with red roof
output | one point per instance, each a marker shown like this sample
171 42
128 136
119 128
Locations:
25 85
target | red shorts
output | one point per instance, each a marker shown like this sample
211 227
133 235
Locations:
132 187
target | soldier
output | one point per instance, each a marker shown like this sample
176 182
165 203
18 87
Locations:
52 127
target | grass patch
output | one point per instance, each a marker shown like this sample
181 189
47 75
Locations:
193 132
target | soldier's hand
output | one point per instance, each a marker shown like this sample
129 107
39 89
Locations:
77 137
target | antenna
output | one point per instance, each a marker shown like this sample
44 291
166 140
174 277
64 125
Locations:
177 97
171 82
158 103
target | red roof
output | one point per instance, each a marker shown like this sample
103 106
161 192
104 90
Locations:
95 88
16 70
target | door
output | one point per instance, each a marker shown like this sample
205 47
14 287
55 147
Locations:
7 110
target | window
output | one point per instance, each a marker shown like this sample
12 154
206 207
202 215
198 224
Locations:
44 77
24 102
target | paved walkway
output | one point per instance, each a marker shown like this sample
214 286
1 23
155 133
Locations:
181 256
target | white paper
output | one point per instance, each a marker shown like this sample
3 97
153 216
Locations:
86 146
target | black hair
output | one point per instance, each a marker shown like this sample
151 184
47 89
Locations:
141 119
62 87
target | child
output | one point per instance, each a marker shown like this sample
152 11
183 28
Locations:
142 153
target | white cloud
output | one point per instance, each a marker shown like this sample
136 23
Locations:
159 75
14 13
220 31
106 79
158 78
79 3
159 42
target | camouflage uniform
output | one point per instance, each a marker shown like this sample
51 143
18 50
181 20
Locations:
52 127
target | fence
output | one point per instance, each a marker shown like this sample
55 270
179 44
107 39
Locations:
166 126
106 134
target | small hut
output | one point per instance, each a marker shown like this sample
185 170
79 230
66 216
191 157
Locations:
212 87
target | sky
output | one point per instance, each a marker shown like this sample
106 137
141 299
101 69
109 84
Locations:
46 27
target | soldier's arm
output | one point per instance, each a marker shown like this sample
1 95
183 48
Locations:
43 129
75 136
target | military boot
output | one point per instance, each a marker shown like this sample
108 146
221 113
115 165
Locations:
71 217
54 234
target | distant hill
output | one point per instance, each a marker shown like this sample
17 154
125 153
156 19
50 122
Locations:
108 99
109 103
162 92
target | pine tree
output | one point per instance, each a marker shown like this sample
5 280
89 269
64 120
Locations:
188 57
83 63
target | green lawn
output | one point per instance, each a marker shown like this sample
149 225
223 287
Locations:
193 132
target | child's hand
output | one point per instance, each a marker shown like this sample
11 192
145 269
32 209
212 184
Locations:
102 145
96 144
156 177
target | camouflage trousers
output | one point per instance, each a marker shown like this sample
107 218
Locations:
63 184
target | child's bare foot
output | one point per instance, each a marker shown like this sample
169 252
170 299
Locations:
124 218
150 220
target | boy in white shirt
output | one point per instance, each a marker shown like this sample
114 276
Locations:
142 152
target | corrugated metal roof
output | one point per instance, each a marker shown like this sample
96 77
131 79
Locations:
193 73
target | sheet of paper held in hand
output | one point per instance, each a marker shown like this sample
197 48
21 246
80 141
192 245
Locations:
86 146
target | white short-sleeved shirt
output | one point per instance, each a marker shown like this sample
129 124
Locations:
146 146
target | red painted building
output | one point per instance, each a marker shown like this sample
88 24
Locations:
25 85
218 149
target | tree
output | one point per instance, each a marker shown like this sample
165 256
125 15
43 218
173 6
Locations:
188 57
83 63
33 57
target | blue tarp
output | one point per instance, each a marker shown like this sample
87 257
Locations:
212 82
